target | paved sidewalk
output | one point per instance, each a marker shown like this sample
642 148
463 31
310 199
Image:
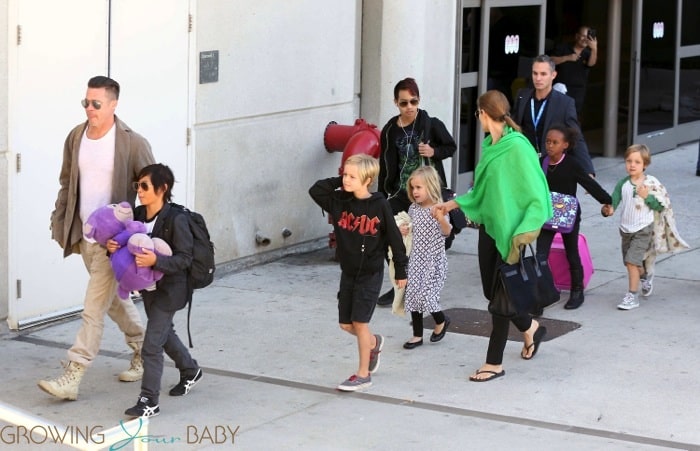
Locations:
272 355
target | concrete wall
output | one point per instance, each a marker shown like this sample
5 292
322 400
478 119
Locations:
4 158
285 70
417 41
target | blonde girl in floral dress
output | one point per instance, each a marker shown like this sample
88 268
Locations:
427 265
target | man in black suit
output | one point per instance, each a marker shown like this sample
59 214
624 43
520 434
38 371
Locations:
537 109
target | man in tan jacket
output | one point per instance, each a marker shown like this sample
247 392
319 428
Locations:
101 158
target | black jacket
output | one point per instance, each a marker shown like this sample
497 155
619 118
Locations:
173 291
560 109
363 229
433 132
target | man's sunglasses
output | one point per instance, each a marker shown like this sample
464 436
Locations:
404 103
96 104
143 185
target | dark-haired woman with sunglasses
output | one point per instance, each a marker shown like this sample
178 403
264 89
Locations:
408 141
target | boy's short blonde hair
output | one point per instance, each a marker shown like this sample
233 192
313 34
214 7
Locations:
643 150
432 183
367 166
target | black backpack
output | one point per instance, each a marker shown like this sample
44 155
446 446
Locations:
201 272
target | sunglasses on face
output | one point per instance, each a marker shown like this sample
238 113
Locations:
404 103
143 185
96 104
477 113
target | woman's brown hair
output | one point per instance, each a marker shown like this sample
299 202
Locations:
495 104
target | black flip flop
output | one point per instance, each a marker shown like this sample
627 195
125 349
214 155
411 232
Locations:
493 375
536 340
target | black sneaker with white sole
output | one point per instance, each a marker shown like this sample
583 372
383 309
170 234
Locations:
145 407
186 383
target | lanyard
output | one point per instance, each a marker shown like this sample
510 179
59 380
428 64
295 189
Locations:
536 120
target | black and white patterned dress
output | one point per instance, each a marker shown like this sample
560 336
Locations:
427 264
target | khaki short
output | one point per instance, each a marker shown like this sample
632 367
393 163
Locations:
635 245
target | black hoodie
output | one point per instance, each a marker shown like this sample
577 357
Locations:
363 229
432 131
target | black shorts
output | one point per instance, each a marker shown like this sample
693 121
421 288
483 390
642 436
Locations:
358 296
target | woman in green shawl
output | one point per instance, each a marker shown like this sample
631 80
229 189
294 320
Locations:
511 201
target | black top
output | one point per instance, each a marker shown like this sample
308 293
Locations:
393 142
364 228
568 174
572 73
535 135
173 291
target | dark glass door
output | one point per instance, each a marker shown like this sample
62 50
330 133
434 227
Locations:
513 30
655 104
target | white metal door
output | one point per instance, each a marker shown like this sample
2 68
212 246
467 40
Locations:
149 58
62 46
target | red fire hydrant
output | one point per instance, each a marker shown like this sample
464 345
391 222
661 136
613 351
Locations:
351 139
360 138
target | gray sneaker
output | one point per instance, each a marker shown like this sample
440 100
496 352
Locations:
354 383
628 302
647 287
374 354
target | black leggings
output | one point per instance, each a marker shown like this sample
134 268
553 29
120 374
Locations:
417 319
489 259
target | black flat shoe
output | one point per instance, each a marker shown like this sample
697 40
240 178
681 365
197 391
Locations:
434 338
411 345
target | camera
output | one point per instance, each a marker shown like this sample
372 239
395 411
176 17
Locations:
591 33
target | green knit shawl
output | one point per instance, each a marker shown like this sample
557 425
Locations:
510 197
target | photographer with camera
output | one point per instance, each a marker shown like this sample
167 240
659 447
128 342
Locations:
574 62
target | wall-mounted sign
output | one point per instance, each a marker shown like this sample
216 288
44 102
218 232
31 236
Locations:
208 66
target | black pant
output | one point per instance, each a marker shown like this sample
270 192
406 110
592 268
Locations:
489 260
417 320
160 336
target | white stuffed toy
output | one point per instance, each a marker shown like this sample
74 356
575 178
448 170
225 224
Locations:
397 306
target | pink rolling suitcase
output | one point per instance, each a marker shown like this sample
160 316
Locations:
560 266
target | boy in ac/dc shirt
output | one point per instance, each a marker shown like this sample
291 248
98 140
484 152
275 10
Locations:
364 226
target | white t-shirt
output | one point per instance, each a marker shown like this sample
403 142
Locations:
96 165
150 224
635 214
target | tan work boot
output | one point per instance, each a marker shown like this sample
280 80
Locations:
66 386
135 371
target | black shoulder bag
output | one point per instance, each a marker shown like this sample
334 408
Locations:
522 287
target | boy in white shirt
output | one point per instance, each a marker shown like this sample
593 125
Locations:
647 226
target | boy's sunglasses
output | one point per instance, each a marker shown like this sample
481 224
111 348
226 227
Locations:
143 185
404 103
96 104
